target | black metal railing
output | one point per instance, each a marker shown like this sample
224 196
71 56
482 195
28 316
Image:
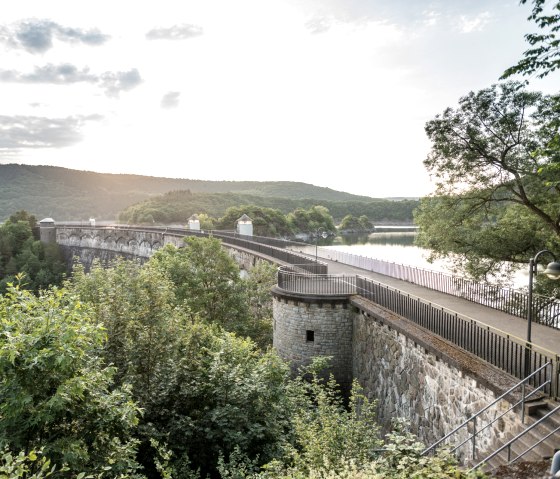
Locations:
306 276
546 310
496 347
292 280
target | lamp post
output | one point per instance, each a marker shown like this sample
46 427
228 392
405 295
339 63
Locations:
323 235
553 272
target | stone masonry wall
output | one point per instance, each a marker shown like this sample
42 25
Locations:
308 328
412 382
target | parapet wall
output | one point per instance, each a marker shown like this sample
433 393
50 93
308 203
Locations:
426 380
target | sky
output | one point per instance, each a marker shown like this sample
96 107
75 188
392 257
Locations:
333 93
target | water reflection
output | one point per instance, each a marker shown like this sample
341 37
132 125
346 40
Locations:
391 246
397 247
383 238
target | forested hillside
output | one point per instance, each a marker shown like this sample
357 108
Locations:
67 194
178 206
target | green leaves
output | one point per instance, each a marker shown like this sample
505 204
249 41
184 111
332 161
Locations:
55 392
494 158
543 57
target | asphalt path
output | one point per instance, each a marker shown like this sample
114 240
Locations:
542 336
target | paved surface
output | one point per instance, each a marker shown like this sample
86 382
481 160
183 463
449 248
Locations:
542 336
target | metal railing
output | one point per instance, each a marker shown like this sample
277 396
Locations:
508 446
292 280
473 423
496 347
511 301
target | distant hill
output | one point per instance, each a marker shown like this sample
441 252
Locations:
66 194
178 206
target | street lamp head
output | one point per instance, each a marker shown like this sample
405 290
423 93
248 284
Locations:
553 270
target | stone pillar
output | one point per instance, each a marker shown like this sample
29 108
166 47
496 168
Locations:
310 326
47 230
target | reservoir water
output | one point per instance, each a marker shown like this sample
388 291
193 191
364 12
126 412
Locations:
396 245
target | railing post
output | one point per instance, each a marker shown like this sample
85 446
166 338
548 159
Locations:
474 439
523 402
555 377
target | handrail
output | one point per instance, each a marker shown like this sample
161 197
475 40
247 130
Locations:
476 415
508 300
505 334
511 441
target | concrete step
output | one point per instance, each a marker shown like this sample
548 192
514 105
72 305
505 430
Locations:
542 451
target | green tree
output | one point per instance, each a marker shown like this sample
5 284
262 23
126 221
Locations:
202 391
56 393
207 280
257 287
310 220
495 200
266 221
24 216
543 57
352 223
20 252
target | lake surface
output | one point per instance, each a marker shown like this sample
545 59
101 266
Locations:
397 246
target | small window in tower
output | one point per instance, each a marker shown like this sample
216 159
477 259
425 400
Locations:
310 336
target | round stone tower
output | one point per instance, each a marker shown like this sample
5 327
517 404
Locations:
306 326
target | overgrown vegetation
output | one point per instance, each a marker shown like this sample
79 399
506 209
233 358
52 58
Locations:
22 252
164 370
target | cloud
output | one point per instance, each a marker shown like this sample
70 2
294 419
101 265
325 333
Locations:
115 82
170 99
36 36
475 23
319 25
65 73
176 32
20 132
56 74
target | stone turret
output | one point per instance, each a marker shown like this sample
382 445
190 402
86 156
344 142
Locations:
47 230
194 223
245 226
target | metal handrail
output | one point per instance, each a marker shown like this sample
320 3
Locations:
520 435
476 415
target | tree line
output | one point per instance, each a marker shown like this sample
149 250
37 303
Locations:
178 206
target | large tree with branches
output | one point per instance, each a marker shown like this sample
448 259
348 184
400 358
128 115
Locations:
494 160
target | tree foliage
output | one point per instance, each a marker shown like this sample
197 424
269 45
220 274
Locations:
206 280
543 56
178 206
56 393
266 221
310 220
202 391
22 252
354 224
497 197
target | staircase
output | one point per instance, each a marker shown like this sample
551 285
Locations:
536 438
538 441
